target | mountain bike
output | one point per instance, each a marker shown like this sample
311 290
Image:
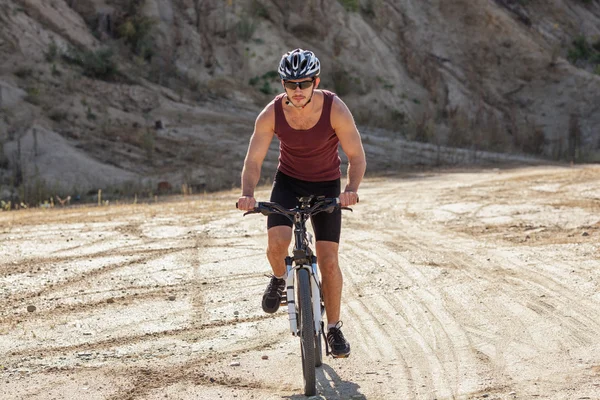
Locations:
305 305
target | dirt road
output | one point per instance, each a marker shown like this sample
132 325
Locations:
464 285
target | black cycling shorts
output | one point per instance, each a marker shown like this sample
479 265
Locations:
286 190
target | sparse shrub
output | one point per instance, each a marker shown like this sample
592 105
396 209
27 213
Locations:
24 72
258 9
52 52
341 81
245 28
54 71
271 75
267 79
58 115
136 32
266 88
90 115
97 64
33 96
583 51
305 30
397 116
367 8
350 5
34 191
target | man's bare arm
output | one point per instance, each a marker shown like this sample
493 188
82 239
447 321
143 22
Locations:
257 151
345 128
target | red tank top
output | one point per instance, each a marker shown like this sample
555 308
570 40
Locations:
310 154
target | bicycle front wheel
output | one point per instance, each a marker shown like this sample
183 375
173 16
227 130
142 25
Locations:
318 349
307 332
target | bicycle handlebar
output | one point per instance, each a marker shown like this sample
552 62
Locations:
320 205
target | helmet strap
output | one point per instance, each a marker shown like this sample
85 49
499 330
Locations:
312 93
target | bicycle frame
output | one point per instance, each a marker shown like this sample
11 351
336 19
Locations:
303 258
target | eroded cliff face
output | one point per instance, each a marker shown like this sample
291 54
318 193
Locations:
175 95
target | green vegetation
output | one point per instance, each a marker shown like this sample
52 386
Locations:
245 28
90 115
385 84
58 115
270 77
33 96
367 8
23 72
136 32
259 10
583 52
305 31
54 71
97 64
350 5
52 52
342 82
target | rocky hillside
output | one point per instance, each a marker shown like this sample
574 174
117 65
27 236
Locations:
120 95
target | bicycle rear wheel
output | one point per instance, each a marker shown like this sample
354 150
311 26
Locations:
307 332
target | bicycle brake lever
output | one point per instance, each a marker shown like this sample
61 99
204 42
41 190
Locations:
347 208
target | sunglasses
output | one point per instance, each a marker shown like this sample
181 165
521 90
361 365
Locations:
302 85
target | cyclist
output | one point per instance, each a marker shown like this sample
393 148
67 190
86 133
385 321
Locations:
310 123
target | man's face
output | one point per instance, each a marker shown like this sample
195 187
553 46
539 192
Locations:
299 90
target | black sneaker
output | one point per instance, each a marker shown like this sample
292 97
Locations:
273 294
340 348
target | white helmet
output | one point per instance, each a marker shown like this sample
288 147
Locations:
299 64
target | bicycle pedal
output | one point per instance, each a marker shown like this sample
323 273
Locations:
340 356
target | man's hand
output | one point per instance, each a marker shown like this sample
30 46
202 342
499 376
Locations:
348 198
246 203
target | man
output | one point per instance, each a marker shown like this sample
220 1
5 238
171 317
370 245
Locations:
309 123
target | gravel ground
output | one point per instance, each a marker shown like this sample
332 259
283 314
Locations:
458 285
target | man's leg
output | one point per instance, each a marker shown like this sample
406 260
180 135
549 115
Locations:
280 238
279 241
331 278
332 282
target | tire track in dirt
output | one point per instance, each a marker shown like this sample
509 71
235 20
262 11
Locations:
470 267
523 285
26 264
77 276
133 339
422 329
196 371
526 288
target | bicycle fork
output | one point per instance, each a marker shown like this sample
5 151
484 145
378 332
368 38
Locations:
317 305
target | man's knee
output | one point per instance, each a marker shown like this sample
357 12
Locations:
328 262
280 238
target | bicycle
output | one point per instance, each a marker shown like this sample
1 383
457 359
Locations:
305 306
